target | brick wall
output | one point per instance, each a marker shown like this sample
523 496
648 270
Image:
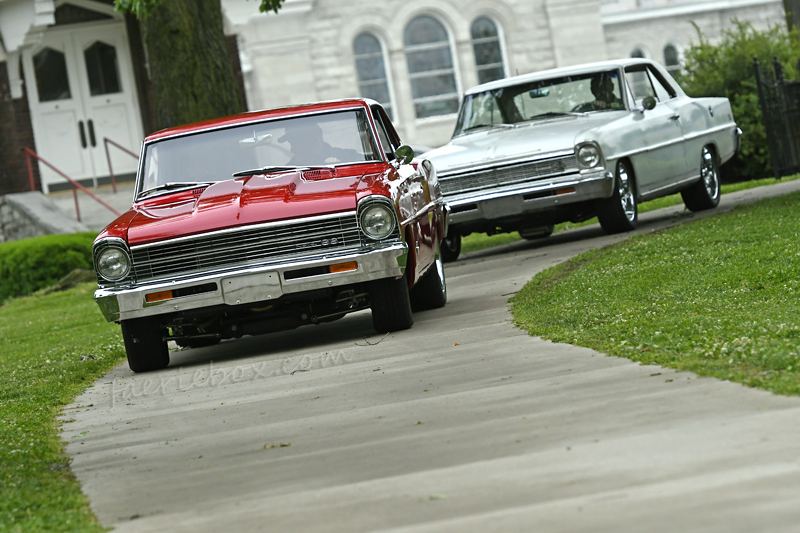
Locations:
16 131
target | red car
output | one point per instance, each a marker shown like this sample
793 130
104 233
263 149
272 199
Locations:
269 220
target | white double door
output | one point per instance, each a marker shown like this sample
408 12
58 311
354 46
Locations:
81 90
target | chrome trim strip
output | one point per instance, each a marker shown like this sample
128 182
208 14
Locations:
711 130
655 192
669 143
457 171
236 229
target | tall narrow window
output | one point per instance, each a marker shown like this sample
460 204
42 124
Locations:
672 58
430 67
371 70
52 82
486 44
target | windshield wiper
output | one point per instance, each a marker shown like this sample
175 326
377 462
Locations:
481 126
262 170
175 185
550 114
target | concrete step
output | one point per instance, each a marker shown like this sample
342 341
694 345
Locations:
94 215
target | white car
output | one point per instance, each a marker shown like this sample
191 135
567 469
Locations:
572 143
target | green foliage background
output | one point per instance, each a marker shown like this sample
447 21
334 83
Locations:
726 69
32 264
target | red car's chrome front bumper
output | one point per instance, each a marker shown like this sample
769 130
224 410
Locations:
249 285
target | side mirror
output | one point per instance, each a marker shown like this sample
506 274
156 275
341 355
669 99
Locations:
649 102
404 154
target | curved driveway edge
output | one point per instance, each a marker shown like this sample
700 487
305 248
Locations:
463 423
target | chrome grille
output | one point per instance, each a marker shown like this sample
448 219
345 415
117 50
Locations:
245 247
509 175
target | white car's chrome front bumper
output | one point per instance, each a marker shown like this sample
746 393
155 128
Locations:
249 285
529 197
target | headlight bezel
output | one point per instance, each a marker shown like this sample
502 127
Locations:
383 205
112 245
594 161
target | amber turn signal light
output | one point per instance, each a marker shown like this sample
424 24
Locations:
158 296
344 267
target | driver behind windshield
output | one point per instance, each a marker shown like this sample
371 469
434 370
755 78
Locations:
605 95
309 148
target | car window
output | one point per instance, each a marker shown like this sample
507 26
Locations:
639 83
564 95
341 137
388 146
663 90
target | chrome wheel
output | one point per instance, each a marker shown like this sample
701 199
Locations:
709 174
705 192
619 211
626 193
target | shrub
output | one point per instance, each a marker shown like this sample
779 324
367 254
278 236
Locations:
32 264
726 69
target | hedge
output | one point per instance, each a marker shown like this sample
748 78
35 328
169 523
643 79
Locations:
32 264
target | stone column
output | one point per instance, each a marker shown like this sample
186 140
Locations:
577 31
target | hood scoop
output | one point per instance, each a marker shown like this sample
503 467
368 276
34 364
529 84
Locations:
319 174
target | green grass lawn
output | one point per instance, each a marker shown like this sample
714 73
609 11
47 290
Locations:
480 241
43 340
718 297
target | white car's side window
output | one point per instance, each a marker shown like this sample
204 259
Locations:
639 82
662 93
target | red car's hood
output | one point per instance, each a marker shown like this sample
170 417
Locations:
240 202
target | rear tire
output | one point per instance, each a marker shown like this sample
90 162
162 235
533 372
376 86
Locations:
430 292
451 248
145 344
705 193
391 304
620 212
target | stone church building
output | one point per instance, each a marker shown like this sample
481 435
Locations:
73 72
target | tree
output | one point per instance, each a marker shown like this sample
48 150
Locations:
192 75
726 69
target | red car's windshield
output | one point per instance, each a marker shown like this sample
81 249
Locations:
323 139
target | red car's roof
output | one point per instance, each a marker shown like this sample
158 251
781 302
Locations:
253 116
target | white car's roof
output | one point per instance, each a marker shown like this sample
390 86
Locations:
563 71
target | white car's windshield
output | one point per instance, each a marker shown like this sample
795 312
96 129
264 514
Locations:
565 95
324 139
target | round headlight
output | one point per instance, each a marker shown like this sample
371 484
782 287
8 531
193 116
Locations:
377 221
588 156
113 264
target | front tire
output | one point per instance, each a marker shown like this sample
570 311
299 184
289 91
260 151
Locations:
620 212
391 304
451 248
145 345
430 292
705 193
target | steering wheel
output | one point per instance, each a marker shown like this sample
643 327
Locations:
584 107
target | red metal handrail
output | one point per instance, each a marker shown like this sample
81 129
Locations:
75 185
106 142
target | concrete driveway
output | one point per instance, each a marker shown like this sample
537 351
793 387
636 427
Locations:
463 423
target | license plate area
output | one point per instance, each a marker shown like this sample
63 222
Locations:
250 288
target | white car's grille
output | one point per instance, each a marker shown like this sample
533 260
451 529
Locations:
246 246
507 175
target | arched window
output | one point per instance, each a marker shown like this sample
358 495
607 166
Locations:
672 58
488 56
430 67
371 70
638 52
